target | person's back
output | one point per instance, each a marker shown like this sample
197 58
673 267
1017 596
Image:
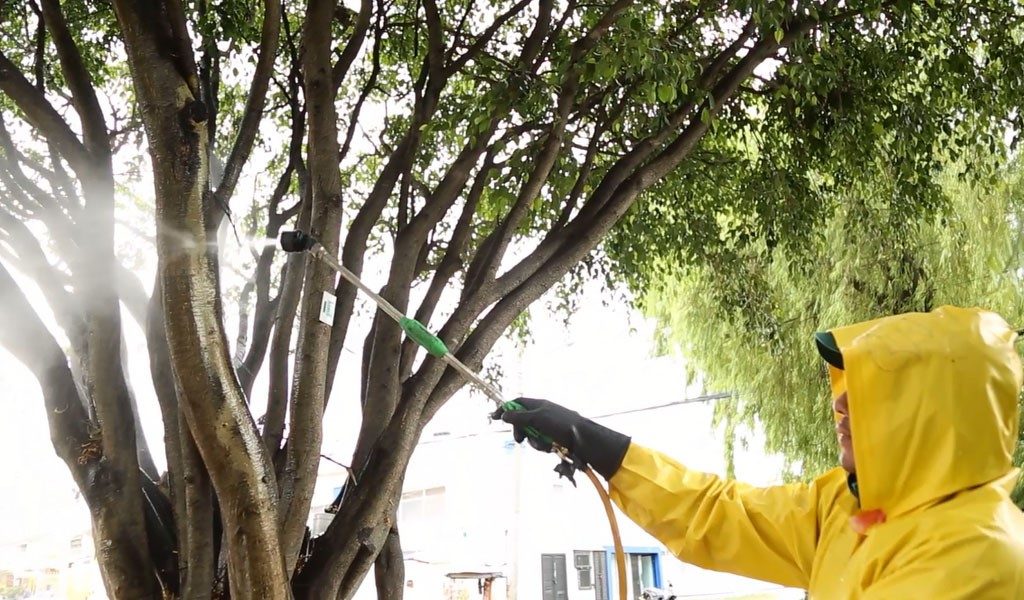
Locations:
927 413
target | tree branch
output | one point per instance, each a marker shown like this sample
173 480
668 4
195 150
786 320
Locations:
450 263
354 44
371 82
42 116
252 114
579 237
263 314
125 556
485 38
212 400
179 42
308 395
83 93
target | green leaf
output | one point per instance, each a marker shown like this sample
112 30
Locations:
779 34
666 93
606 68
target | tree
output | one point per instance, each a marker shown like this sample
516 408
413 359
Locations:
526 125
761 308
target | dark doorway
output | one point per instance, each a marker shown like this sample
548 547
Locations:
552 575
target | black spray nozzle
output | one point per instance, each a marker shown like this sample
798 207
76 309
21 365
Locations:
297 241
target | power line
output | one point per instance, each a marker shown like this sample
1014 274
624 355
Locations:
693 400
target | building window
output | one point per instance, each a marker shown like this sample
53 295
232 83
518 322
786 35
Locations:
422 518
584 569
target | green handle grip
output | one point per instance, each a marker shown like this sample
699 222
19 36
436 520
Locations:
512 406
422 336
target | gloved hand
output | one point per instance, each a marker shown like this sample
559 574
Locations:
594 444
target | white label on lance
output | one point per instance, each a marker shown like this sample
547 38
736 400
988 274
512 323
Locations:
327 308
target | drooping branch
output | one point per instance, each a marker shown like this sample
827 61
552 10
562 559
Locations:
34 262
42 115
125 556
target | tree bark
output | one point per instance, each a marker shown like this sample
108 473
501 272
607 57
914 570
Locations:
309 394
389 570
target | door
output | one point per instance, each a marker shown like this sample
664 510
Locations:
600 576
552 575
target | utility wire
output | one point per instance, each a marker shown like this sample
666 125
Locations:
694 400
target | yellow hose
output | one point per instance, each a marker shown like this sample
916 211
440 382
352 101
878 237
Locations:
620 555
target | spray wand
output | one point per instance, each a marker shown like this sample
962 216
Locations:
298 241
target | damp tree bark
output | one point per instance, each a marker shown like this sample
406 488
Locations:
504 123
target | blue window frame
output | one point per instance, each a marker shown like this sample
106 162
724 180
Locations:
653 552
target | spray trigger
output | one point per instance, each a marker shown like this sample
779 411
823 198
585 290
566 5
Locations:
567 469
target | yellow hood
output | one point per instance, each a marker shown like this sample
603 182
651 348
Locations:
933 404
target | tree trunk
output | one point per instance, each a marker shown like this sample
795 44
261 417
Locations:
389 570
308 395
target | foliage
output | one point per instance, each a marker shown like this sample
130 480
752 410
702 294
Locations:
748 323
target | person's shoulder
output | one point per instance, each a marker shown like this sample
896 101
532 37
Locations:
979 526
833 487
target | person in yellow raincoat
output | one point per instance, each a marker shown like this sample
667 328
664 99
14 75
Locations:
926 408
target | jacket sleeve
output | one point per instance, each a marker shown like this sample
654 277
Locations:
763 533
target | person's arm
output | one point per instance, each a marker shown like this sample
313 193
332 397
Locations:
763 533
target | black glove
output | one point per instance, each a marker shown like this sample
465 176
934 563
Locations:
596 445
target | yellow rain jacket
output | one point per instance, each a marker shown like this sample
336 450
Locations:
933 415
